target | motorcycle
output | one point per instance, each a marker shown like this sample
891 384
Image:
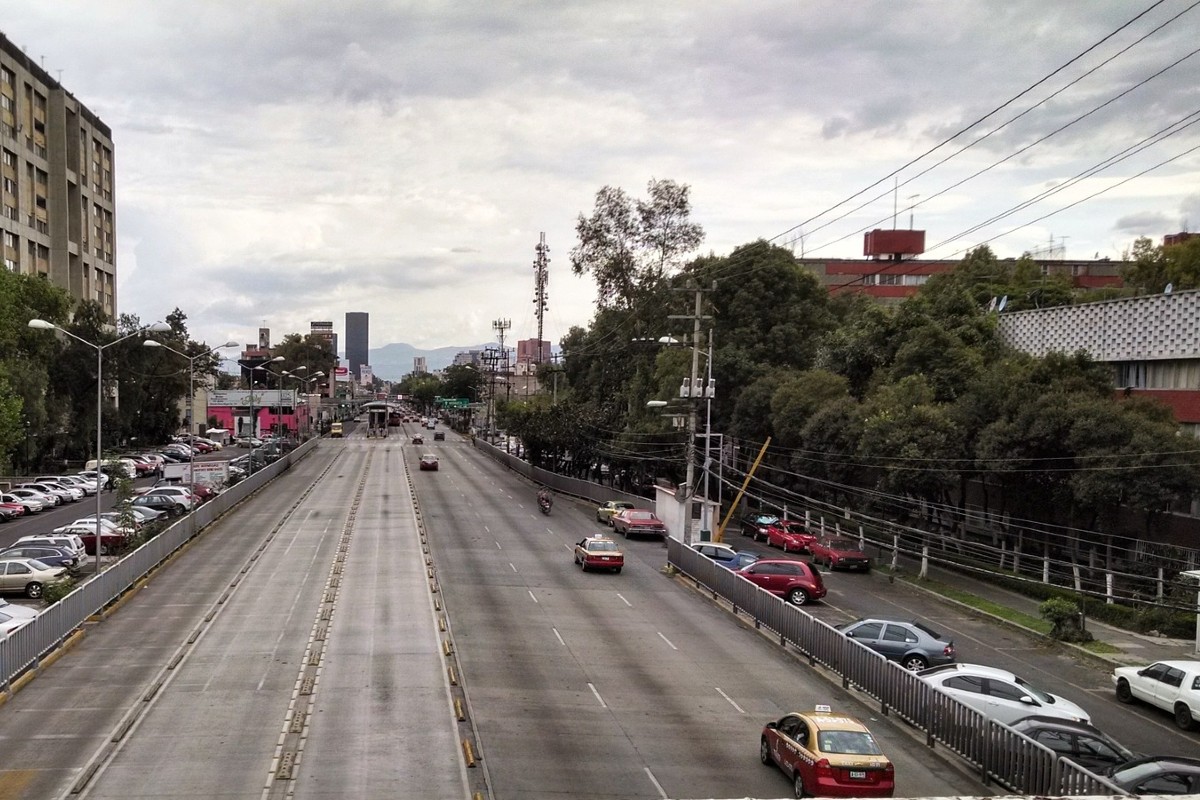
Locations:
544 505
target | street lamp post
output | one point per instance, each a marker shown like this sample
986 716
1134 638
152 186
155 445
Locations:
191 403
253 418
158 327
291 374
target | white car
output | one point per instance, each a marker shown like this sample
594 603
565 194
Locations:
1170 685
8 624
70 541
91 478
999 694
64 494
180 493
28 576
16 611
32 504
78 481
47 500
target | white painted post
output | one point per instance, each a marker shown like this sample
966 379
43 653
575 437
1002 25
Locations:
924 561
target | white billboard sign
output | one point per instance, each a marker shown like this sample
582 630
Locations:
242 398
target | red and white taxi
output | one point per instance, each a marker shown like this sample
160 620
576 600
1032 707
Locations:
827 755
599 552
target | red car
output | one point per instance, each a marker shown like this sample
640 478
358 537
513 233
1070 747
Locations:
429 461
11 511
795 581
839 552
638 522
792 536
599 552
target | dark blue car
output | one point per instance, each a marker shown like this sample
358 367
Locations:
725 555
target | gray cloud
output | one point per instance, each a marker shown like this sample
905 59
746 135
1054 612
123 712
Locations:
1145 222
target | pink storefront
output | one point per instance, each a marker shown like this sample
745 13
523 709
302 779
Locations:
273 411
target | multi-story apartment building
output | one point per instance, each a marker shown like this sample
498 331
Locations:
533 351
57 215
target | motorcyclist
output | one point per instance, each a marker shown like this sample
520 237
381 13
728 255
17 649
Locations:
544 498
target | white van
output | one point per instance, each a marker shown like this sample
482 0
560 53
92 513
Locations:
127 464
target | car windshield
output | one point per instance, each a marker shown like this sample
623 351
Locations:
859 743
603 546
766 519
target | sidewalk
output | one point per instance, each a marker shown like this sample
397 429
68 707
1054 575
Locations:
1135 648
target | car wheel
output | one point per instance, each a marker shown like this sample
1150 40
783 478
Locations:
617 570
798 784
764 751
1123 692
33 591
1183 717
797 597
106 550
915 663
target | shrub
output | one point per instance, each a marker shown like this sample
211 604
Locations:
54 591
1065 620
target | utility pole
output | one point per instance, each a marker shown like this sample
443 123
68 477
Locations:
497 358
692 390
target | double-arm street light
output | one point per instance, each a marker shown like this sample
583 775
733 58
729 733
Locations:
191 401
308 382
253 418
158 327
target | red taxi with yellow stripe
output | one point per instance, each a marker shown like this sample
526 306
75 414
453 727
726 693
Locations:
827 755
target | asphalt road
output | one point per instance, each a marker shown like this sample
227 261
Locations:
576 684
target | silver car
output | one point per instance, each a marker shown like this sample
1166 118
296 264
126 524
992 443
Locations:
999 694
27 576
32 504
914 645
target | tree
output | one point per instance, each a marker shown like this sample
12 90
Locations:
1154 267
630 246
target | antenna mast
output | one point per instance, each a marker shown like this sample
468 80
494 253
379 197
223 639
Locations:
540 278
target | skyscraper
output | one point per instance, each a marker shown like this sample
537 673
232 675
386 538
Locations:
358 341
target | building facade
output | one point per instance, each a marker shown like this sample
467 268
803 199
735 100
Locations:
892 272
358 341
533 351
419 365
57 214
1151 342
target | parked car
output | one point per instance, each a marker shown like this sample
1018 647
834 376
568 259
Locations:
9 624
1084 744
1173 686
638 522
607 510
145 514
756 525
599 552
68 495
1158 775
182 492
14 610
27 576
11 511
827 754
161 502
97 479
429 462
725 555
50 499
88 487
66 540
839 552
31 503
913 645
998 693
798 582
53 556
789 535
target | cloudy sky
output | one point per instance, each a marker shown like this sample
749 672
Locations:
280 162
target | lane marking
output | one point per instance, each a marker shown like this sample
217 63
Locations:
730 699
558 636
549 531
486 528
514 566
531 596
657 785
498 547
665 639
601 699
623 600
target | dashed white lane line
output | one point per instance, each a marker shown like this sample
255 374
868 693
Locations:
498 547
514 566
558 636
730 699
532 597
665 639
657 785
598 697
623 600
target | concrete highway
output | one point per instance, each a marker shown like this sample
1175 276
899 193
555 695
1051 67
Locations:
331 669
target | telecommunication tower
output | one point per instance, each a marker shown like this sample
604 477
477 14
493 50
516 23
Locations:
540 278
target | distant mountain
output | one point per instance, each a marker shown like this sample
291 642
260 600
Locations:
393 361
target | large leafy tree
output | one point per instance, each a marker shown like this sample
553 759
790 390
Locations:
630 245
1156 266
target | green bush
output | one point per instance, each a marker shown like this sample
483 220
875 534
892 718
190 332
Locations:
1064 618
54 591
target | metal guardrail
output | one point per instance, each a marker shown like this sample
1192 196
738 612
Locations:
24 648
1000 754
574 487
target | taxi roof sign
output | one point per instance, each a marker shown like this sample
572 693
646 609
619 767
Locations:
823 709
